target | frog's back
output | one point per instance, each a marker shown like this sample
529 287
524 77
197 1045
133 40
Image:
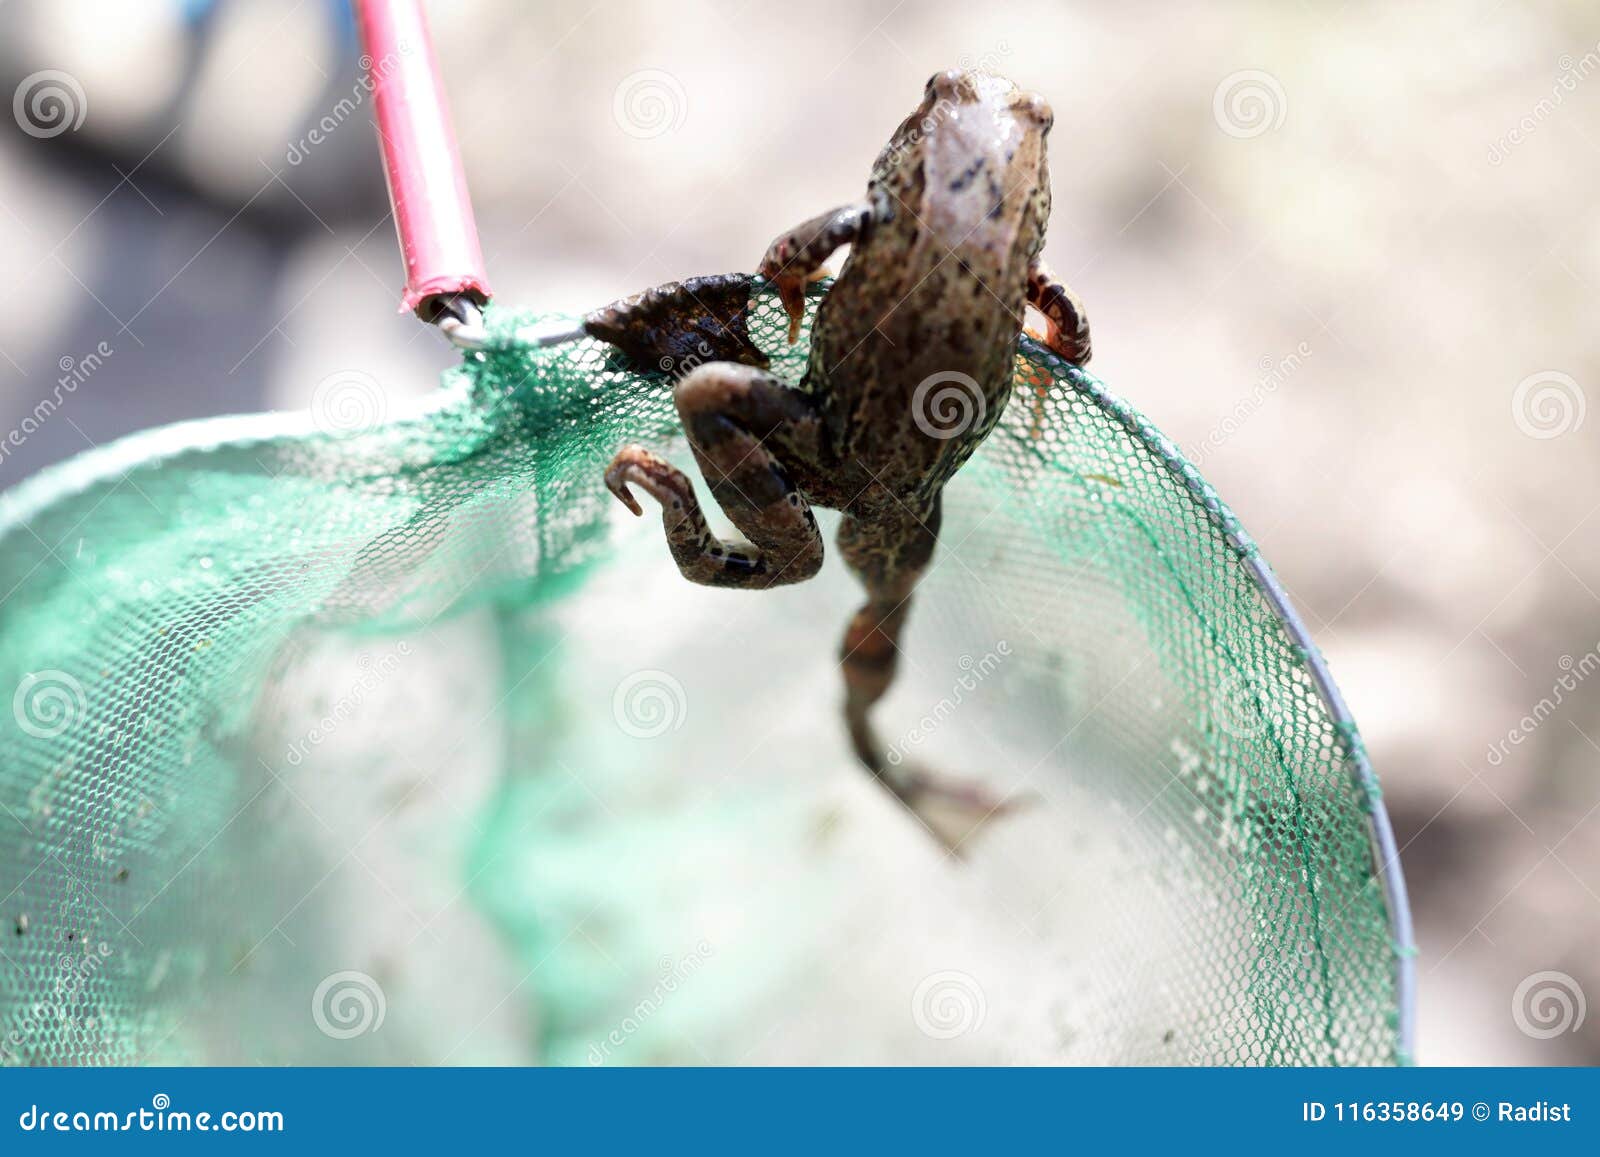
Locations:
936 284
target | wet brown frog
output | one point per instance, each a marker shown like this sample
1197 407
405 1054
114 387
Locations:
910 368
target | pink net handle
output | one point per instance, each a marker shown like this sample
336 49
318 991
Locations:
427 187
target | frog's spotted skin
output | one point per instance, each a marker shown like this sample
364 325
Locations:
910 368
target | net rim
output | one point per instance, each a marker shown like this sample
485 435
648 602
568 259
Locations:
1380 830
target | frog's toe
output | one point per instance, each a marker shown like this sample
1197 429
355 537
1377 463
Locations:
657 477
792 293
619 486
617 477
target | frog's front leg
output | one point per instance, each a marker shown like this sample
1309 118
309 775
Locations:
1068 324
796 256
752 436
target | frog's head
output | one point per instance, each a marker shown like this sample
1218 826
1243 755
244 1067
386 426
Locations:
959 87
969 108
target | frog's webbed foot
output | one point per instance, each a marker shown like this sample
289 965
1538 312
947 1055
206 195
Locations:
737 419
680 324
1068 325
797 256
953 810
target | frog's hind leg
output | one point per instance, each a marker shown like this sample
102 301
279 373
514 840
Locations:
750 434
889 557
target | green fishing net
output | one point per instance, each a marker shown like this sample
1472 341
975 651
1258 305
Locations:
392 738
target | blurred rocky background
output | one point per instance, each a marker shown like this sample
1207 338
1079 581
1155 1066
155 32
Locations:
1349 259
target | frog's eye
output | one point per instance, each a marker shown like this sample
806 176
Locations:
1035 108
947 84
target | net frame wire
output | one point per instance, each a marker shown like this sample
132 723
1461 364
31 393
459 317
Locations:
1386 852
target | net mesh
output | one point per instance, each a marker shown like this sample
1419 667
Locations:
393 739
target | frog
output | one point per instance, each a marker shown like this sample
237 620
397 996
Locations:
910 367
